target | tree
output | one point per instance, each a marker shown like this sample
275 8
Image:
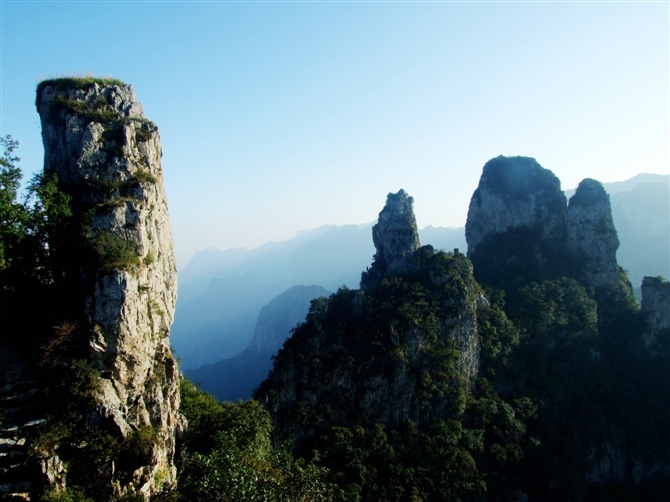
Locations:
230 456
13 215
25 256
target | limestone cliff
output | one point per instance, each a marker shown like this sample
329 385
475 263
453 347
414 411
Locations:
395 237
520 227
114 262
404 346
512 193
592 238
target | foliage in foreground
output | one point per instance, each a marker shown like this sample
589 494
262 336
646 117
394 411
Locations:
230 456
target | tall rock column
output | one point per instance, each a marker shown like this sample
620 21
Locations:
395 237
516 192
592 238
115 264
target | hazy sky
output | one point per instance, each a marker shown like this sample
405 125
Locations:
282 116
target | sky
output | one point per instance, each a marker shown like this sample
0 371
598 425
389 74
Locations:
277 117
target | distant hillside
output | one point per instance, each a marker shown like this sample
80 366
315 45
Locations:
221 292
236 378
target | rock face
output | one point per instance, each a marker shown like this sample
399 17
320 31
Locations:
592 238
656 304
386 351
516 192
521 228
395 237
114 262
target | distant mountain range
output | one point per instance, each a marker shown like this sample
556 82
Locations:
221 293
641 213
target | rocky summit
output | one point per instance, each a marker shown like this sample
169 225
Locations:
516 192
395 236
114 264
403 347
592 238
520 227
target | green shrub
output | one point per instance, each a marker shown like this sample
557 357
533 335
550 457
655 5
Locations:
143 176
70 495
114 251
80 83
148 259
144 128
84 109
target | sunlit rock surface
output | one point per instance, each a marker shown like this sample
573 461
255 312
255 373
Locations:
115 261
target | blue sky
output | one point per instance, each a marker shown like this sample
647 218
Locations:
281 116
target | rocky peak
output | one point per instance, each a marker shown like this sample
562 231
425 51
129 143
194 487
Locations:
362 349
592 238
115 264
395 236
520 227
515 192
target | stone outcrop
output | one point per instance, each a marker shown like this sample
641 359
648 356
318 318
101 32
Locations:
656 305
365 353
395 237
115 265
592 239
20 415
520 227
516 192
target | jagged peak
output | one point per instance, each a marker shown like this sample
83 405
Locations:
395 236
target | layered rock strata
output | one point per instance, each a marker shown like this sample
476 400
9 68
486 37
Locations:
114 262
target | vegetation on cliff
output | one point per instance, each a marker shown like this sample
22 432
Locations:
372 387
230 456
